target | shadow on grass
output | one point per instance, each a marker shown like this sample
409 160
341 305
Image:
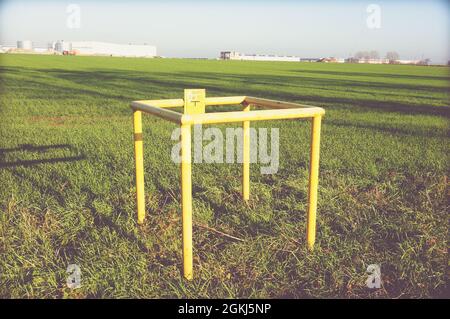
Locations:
29 148
377 75
57 194
101 220
35 182
391 130
129 85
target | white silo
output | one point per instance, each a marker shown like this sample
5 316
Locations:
62 46
25 45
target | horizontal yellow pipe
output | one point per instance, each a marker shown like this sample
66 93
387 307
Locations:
158 111
284 110
261 115
225 100
162 103
273 103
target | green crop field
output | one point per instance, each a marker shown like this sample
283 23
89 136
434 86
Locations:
67 192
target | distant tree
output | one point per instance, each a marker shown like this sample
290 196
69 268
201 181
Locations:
392 56
374 55
366 55
353 60
361 54
424 62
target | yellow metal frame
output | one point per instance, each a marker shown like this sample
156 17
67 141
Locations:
280 110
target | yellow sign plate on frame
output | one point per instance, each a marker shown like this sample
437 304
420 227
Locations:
194 101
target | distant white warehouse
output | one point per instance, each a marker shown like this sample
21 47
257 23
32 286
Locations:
103 48
232 55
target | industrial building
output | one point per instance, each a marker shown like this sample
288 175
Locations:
105 49
80 48
232 55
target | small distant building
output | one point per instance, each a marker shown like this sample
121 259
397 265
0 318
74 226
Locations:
375 61
331 60
386 61
367 60
6 48
309 59
229 55
414 62
232 55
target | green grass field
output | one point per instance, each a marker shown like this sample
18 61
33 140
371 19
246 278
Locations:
67 182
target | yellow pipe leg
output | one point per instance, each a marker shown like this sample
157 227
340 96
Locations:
186 194
139 159
246 157
313 181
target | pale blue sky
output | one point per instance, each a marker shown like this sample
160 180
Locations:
415 29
